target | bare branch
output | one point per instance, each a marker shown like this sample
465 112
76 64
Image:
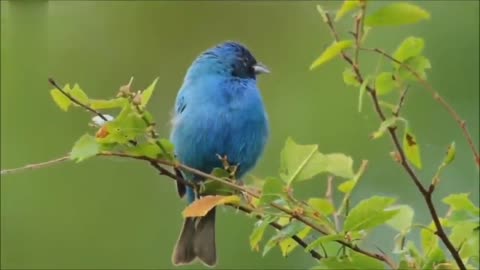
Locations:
35 166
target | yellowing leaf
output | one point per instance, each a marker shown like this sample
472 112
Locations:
60 99
148 93
202 206
347 6
333 50
429 239
347 186
450 156
288 245
397 14
84 148
384 83
78 94
411 148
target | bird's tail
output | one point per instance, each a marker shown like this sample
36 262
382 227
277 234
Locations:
197 240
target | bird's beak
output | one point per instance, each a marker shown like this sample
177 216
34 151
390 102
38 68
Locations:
260 68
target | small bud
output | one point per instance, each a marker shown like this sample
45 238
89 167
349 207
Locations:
137 99
124 90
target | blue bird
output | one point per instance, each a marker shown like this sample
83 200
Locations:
218 111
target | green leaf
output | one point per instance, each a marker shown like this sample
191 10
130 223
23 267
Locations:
347 186
272 190
347 6
416 63
350 78
411 148
287 232
356 261
79 95
60 99
461 202
100 104
450 155
435 257
84 148
331 52
397 14
150 150
370 213
410 47
323 239
322 206
258 231
300 162
389 122
429 239
462 232
470 245
384 83
147 93
403 220
361 93
288 245
339 165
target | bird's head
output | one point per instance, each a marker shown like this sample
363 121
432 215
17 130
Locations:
227 59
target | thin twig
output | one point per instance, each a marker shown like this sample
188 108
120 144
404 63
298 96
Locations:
401 101
329 196
36 165
76 101
436 96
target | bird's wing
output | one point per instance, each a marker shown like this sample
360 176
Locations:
181 104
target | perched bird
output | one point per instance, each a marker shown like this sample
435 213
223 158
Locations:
218 111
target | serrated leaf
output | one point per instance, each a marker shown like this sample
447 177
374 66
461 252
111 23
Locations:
202 206
384 83
78 94
384 126
258 231
272 190
361 93
429 239
322 205
339 165
410 47
287 232
147 93
331 52
416 63
347 6
370 213
322 240
397 14
347 186
60 99
403 220
84 148
100 104
288 245
411 148
356 261
450 155
349 77
460 202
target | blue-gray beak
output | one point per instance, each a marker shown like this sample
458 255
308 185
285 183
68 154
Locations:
260 68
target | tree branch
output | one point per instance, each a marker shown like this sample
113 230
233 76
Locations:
436 96
427 194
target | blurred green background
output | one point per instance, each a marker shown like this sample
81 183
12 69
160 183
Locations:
107 213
